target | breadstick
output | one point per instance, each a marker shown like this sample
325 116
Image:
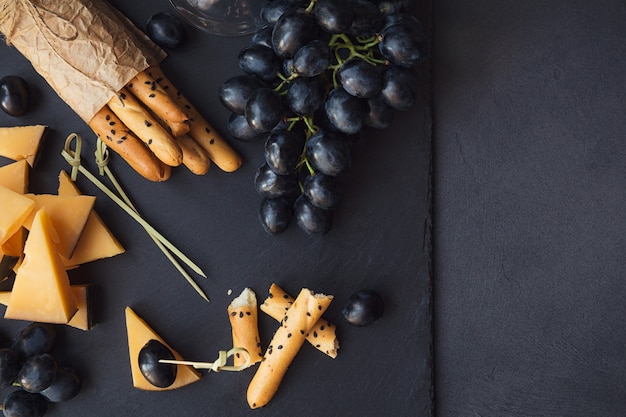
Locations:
287 341
141 123
195 158
114 133
220 152
159 102
322 336
243 316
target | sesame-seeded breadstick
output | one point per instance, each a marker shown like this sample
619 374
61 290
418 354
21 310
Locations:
243 316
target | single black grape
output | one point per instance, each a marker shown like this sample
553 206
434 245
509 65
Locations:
363 308
400 87
360 78
313 220
345 111
367 18
260 61
9 367
403 44
241 130
328 152
306 95
264 109
33 339
66 386
234 92
292 31
20 403
324 191
14 95
263 36
312 59
160 375
283 149
38 372
334 16
273 10
166 30
270 184
276 214
380 115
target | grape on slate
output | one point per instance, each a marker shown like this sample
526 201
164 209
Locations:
273 10
324 191
14 95
240 129
264 110
261 62
313 220
34 338
363 308
283 149
312 59
345 111
20 403
66 386
328 152
400 87
275 214
334 16
166 30
403 44
380 115
269 184
38 372
234 92
292 31
161 375
360 78
306 95
367 18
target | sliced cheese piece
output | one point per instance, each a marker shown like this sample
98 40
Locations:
69 215
15 176
96 241
41 291
14 246
21 142
82 319
16 208
139 333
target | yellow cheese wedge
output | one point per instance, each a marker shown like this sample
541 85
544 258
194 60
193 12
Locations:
68 214
15 210
21 142
41 291
14 246
96 241
15 176
82 319
139 333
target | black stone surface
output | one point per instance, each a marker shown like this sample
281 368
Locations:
530 192
380 240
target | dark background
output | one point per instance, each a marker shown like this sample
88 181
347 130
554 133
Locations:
529 202
380 240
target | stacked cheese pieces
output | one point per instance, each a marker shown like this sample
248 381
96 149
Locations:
45 235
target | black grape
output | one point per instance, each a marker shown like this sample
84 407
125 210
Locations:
20 403
241 130
260 61
345 111
234 92
34 338
273 10
306 95
38 372
283 149
66 386
328 152
403 44
270 184
400 87
9 367
161 375
360 79
292 31
263 36
367 18
324 191
334 16
380 115
313 220
263 110
312 59
275 214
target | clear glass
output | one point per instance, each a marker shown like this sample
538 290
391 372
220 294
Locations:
222 17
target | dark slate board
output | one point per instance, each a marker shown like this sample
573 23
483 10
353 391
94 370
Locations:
380 240
530 190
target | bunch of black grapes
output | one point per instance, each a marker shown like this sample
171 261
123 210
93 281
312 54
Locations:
31 371
314 77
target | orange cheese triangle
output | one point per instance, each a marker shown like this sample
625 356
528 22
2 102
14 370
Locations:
82 318
41 291
96 241
68 215
15 176
139 333
15 210
21 142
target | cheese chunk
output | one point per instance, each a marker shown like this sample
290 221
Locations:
15 210
139 333
96 241
68 215
21 142
15 176
41 291
82 319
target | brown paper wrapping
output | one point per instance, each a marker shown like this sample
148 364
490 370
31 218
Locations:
85 49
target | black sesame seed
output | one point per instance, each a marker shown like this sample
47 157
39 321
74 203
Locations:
111 123
308 314
322 328
284 296
153 86
147 82
279 347
317 346
119 142
187 106
301 331
248 313
147 123
237 355
240 314
270 296
107 117
109 138
319 307
130 85
123 96
211 142
234 313
288 335
152 95
123 137
315 334
149 141
113 132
